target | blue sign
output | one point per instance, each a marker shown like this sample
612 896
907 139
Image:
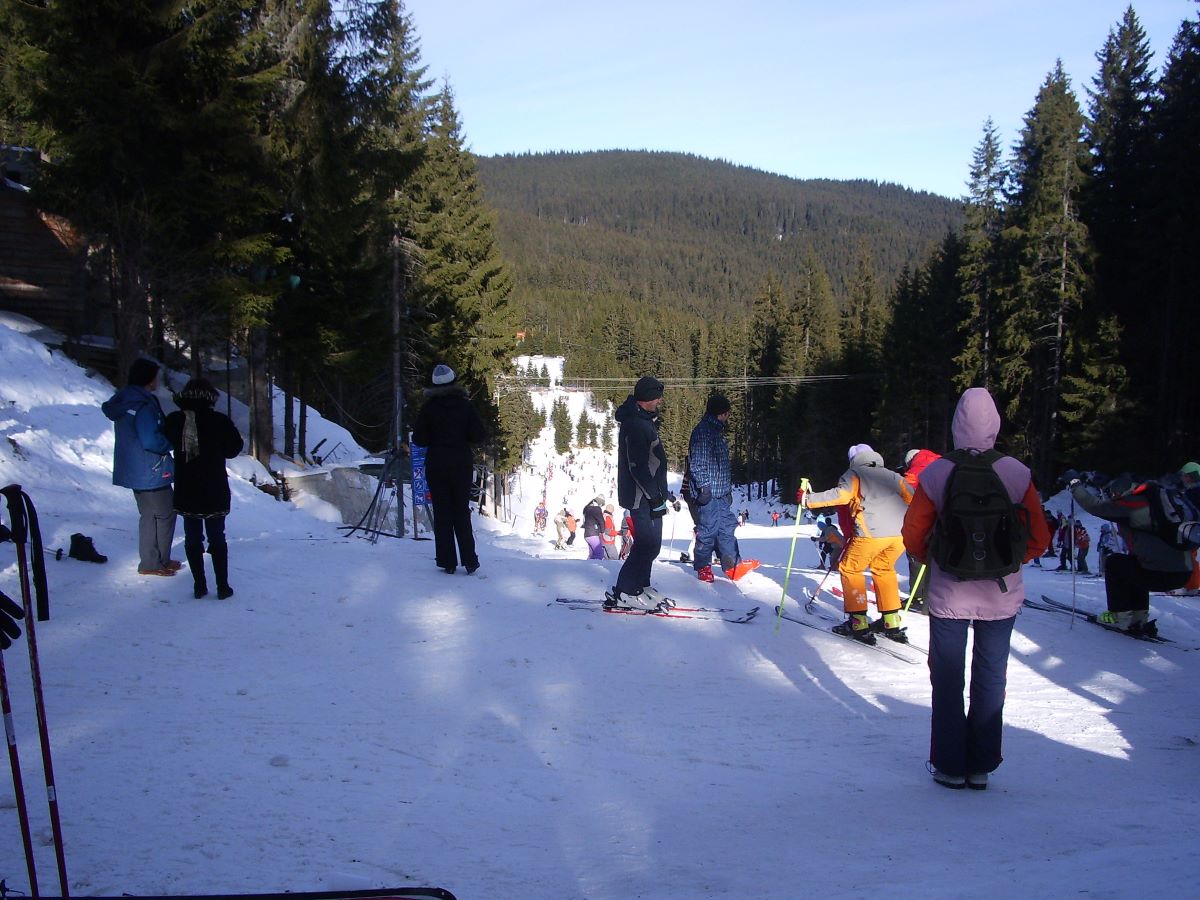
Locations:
420 487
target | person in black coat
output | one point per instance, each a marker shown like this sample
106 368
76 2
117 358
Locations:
447 426
203 439
642 489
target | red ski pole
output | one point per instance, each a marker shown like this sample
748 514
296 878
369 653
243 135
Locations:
17 501
14 760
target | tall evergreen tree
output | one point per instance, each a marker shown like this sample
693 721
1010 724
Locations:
1168 390
981 260
1050 257
1118 136
460 282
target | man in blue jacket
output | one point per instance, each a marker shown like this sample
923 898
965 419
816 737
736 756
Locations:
142 462
711 487
641 489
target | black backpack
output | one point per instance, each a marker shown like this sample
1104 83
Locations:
1173 516
979 534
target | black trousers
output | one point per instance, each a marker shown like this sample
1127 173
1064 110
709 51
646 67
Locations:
1128 585
647 533
450 493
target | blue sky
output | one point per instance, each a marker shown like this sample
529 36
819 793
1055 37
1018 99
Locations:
890 91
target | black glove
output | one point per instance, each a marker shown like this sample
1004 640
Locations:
9 631
675 503
658 507
704 496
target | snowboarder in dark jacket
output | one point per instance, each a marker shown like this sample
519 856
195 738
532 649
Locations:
203 439
641 489
448 425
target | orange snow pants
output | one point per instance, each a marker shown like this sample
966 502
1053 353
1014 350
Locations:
879 555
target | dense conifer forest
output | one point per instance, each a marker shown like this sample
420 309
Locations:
280 180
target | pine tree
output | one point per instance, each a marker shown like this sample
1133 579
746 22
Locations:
979 273
1118 135
1166 387
460 280
560 418
1050 252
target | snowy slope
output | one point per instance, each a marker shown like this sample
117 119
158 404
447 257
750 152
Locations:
353 717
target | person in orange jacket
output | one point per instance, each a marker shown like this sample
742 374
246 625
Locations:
878 498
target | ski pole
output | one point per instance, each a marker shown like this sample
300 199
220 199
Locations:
21 511
14 761
912 591
787 574
1071 553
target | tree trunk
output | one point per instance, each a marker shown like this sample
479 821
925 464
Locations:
262 425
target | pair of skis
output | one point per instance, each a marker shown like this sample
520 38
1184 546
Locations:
669 610
1049 604
812 612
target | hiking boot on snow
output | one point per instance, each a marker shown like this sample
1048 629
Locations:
705 574
977 781
889 626
856 626
83 549
746 565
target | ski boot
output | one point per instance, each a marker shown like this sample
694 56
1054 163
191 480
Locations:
657 597
705 574
889 626
1141 625
614 599
856 627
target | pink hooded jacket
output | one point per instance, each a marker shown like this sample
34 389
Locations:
975 426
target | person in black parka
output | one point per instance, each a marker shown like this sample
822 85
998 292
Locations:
203 439
447 426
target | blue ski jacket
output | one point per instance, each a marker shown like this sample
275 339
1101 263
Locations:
142 454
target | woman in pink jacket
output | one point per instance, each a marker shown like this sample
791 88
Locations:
965 746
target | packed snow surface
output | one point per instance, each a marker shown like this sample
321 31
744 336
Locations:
353 717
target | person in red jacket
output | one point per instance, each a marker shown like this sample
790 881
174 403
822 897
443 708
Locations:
915 462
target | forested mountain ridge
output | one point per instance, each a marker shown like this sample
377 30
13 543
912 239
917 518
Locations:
692 233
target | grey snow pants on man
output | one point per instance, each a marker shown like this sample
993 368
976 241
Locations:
156 527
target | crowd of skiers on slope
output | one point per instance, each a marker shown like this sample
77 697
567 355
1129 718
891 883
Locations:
969 521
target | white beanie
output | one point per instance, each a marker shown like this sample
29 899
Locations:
857 449
442 374
908 457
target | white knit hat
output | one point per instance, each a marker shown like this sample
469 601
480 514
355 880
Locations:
442 374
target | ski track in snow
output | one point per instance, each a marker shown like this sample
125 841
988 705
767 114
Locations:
353 717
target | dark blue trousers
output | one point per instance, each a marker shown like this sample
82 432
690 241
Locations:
647 541
967 741
716 526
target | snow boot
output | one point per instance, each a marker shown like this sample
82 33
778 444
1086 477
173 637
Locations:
889 626
83 549
737 571
220 561
195 558
856 626
977 781
705 574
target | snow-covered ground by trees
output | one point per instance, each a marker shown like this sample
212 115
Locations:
353 717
